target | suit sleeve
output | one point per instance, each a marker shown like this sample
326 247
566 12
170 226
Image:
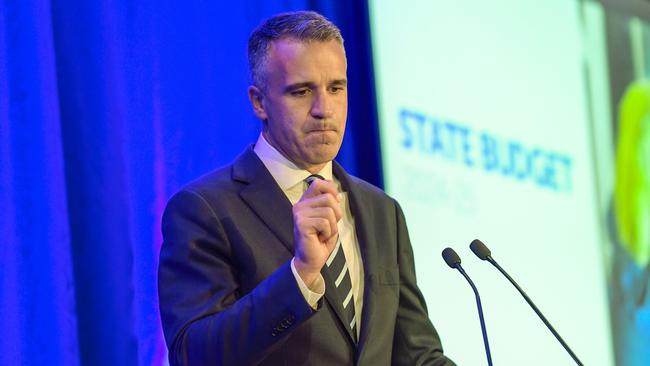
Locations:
205 319
416 341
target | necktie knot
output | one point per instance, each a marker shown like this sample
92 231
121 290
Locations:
310 179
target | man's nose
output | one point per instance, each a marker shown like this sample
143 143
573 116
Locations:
322 106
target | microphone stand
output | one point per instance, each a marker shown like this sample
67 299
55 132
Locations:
480 314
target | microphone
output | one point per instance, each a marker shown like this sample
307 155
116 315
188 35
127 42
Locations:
453 260
484 253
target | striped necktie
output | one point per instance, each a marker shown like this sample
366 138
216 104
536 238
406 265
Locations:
338 270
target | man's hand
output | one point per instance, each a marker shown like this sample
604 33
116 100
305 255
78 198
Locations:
315 231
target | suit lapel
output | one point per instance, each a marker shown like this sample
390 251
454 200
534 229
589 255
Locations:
264 196
363 218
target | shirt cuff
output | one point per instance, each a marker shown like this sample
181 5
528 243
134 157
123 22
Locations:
311 294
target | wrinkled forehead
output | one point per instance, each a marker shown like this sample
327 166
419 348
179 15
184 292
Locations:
293 52
292 48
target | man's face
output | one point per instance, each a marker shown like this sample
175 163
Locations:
304 103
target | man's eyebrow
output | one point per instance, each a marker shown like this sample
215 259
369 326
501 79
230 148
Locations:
294 86
340 82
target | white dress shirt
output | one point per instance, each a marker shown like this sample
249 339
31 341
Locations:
291 180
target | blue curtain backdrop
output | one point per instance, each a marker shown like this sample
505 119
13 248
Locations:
107 108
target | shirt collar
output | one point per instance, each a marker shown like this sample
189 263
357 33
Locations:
285 172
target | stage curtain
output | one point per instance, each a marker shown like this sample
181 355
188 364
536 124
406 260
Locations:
106 109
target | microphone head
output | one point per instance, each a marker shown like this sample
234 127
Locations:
450 256
480 249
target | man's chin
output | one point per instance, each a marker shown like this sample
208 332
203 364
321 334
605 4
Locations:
322 156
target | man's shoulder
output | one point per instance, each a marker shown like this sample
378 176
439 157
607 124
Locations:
217 179
209 189
228 178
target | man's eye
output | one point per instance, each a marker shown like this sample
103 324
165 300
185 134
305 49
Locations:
336 89
300 92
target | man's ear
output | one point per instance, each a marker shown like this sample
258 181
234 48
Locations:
257 97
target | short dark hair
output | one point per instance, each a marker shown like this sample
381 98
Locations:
301 25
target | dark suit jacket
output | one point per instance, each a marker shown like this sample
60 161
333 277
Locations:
228 295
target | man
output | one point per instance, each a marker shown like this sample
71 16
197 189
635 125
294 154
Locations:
283 258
